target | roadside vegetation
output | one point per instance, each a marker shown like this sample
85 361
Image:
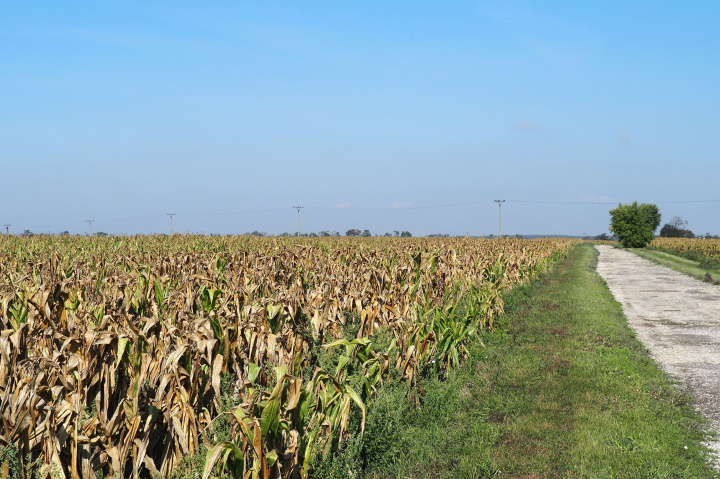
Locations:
696 249
562 388
690 262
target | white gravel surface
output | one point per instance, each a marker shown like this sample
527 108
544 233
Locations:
677 318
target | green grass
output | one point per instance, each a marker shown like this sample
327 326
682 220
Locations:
679 264
561 389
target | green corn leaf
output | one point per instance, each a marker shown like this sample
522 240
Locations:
270 417
253 372
217 329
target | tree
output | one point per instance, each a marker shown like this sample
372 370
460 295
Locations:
653 215
634 224
406 234
27 233
676 229
352 232
366 233
678 222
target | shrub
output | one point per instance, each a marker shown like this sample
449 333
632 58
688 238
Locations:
634 224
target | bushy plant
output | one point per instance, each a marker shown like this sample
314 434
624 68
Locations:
634 224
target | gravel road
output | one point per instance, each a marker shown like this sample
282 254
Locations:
677 318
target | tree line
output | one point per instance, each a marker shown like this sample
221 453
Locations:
635 224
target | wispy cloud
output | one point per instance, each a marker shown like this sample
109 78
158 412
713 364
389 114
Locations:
527 126
403 204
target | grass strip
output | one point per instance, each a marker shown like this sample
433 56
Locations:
679 264
562 388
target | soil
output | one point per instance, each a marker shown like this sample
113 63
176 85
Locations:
677 318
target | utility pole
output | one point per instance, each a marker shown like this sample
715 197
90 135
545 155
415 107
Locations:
298 208
7 229
89 222
171 215
500 202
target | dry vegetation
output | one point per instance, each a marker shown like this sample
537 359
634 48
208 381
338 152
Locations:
706 247
121 356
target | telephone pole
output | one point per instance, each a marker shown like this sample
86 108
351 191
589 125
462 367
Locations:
298 208
171 215
89 222
7 229
500 202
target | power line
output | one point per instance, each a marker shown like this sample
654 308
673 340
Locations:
682 202
475 203
235 213
394 208
130 219
341 208
606 202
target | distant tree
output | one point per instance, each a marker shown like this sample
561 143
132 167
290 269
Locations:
352 232
387 234
65 233
27 233
324 233
406 234
709 236
396 232
602 237
101 234
676 229
366 233
285 235
634 224
678 222
519 236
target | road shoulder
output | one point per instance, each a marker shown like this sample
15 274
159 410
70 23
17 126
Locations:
676 317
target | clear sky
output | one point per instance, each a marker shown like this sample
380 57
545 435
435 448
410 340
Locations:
365 112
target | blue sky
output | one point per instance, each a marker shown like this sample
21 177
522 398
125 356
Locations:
373 115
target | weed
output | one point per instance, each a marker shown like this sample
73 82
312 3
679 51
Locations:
190 467
11 462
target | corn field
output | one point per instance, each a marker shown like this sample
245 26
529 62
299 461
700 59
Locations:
121 356
707 247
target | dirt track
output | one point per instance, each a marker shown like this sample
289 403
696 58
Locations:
677 318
